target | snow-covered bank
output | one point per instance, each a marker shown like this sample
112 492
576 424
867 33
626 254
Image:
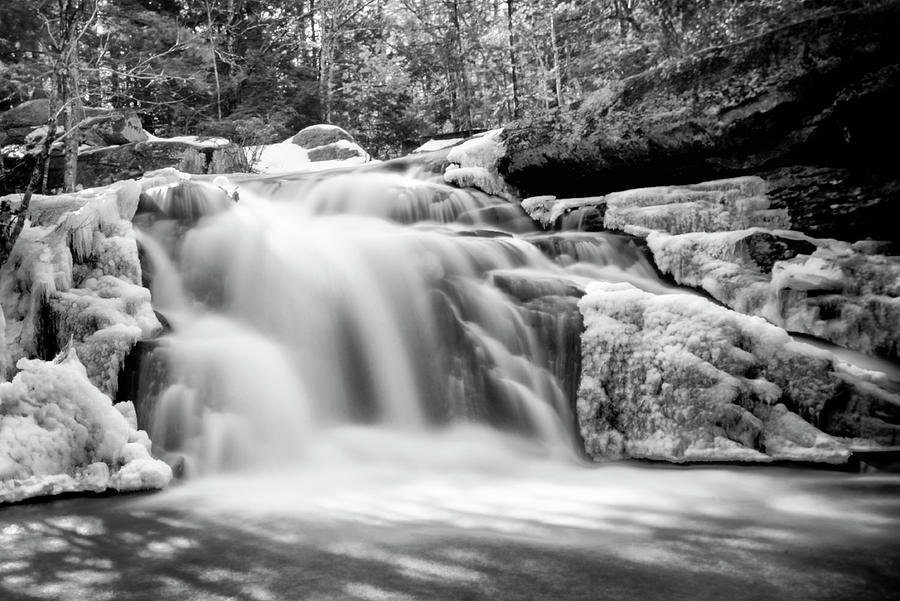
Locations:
72 283
59 434
315 148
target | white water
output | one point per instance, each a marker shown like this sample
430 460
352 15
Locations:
361 300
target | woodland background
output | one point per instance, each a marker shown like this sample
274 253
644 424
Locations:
390 71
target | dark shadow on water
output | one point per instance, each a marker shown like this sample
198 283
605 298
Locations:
113 548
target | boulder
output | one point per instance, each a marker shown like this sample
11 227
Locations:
17 122
678 378
321 135
819 93
335 151
115 129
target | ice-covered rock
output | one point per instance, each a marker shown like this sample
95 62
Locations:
474 164
59 433
678 378
714 206
74 274
824 288
567 213
320 143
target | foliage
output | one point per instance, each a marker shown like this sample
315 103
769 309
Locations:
389 71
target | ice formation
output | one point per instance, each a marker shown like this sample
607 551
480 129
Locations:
820 287
59 433
714 206
548 211
678 378
74 274
474 164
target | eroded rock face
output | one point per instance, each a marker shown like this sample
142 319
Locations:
821 93
677 378
840 203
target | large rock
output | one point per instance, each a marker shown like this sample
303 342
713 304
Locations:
841 203
103 166
821 92
21 120
677 378
17 122
115 129
320 135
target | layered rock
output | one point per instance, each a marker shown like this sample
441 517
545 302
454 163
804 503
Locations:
678 378
812 101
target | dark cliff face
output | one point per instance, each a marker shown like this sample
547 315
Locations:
821 92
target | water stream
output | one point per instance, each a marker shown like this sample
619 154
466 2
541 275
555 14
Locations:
370 381
375 299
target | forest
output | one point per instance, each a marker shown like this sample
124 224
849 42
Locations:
392 72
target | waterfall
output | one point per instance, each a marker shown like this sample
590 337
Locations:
373 299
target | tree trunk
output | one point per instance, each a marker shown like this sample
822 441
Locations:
512 59
556 67
213 46
465 92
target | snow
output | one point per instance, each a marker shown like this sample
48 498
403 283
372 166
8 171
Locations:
59 433
433 145
834 292
474 164
676 377
196 141
287 157
547 210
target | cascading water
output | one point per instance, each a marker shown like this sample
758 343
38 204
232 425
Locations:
363 298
